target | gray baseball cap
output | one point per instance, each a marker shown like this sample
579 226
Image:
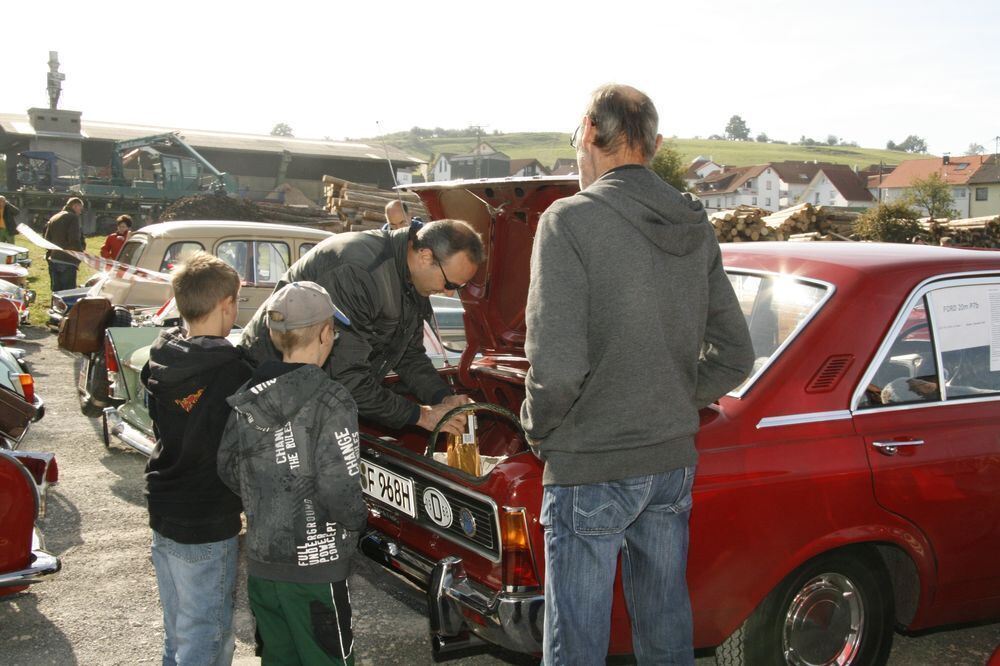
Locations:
301 304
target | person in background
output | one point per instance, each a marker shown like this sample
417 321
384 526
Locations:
63 229
397 215
8 220
291 451
632 327
195 518
113 243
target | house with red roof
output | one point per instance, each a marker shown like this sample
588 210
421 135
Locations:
984 186
838 185
564 166
955 171
701 167
527 168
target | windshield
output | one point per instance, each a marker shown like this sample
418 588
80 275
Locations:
776 307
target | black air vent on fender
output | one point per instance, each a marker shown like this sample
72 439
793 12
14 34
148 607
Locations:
830 373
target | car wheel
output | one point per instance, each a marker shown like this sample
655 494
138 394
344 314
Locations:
835 609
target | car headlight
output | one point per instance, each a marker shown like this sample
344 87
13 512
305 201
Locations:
58 305
9 259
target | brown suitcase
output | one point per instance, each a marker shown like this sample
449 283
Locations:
82 329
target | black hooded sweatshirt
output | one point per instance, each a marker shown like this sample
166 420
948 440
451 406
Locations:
188 380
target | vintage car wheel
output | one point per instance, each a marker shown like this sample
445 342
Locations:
96 399
835 609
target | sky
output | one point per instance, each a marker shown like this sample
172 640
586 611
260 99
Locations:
868 72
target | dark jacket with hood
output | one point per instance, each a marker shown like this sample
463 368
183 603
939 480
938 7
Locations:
291 452
188 380
63 229
368 278
632 326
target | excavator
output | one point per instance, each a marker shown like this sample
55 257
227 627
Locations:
145 175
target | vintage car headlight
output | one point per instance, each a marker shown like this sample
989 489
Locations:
58 304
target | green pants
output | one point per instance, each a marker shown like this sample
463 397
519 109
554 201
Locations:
302 623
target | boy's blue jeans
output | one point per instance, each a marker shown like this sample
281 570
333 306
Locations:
586 526
197 584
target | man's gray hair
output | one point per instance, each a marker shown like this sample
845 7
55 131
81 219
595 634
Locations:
446 237
623 114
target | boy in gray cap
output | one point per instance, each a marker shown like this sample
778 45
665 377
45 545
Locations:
291 452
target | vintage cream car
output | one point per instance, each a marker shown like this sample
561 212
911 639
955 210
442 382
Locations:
260 252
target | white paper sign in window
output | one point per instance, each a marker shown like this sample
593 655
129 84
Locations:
968 316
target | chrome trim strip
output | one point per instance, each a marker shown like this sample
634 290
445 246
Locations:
462 490
808 417
128 435
830 290
955 280
954 402
42 564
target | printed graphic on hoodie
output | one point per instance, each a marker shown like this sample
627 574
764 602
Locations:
320 546
284 445
187 403
349 444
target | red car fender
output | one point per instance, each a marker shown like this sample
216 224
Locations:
18 510
10 318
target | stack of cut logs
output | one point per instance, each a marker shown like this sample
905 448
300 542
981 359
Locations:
309 217
969 232
362 206
744 223
806 222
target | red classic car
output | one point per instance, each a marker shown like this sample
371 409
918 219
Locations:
24 480
849 486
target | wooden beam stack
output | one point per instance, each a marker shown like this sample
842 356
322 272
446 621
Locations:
744 223
808 222
361 206
969 232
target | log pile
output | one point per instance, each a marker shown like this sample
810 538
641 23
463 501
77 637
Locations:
362 206
744 223
808 222
969 232
222 207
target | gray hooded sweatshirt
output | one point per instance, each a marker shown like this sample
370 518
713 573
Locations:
290 450
632 326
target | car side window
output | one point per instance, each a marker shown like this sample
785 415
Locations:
236 255
272 260
908 374
968 339
130 252
305 247
177 253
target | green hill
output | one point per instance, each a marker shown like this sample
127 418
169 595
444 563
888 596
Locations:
547 146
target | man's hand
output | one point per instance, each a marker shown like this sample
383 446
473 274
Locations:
430 416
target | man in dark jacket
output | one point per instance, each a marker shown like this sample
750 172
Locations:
8 220
382 281
63 229
632 326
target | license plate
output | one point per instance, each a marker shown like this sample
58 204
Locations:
388 488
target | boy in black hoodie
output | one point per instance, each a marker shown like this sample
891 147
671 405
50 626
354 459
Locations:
291 451
194 516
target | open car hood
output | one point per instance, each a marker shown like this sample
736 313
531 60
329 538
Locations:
505 212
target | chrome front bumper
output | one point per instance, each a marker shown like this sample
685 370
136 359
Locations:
42 564
513 620
126 434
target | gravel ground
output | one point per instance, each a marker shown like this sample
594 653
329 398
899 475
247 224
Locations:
102 608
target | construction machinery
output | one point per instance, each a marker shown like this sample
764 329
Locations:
145 175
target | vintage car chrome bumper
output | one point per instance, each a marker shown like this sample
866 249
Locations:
513 620
42 564
126 434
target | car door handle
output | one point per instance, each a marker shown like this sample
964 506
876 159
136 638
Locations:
244 299
892 448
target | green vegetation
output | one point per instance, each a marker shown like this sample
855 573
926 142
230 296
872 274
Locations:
890 223
547 146
38 276
669 166
932 195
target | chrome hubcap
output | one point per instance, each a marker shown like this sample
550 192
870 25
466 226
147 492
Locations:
825 623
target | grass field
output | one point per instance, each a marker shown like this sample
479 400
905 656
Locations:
547 146
38 276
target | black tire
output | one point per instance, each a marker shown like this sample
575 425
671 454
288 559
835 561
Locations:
121 317
104 430
840 603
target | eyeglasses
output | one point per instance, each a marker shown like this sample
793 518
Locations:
448 284
576 135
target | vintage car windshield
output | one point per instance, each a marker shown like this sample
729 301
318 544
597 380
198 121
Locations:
776 307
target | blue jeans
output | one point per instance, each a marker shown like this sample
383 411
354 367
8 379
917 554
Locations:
62 276
197 584
645 519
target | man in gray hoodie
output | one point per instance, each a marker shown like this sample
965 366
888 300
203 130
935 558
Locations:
632 327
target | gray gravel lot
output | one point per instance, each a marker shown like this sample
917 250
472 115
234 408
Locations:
102 608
